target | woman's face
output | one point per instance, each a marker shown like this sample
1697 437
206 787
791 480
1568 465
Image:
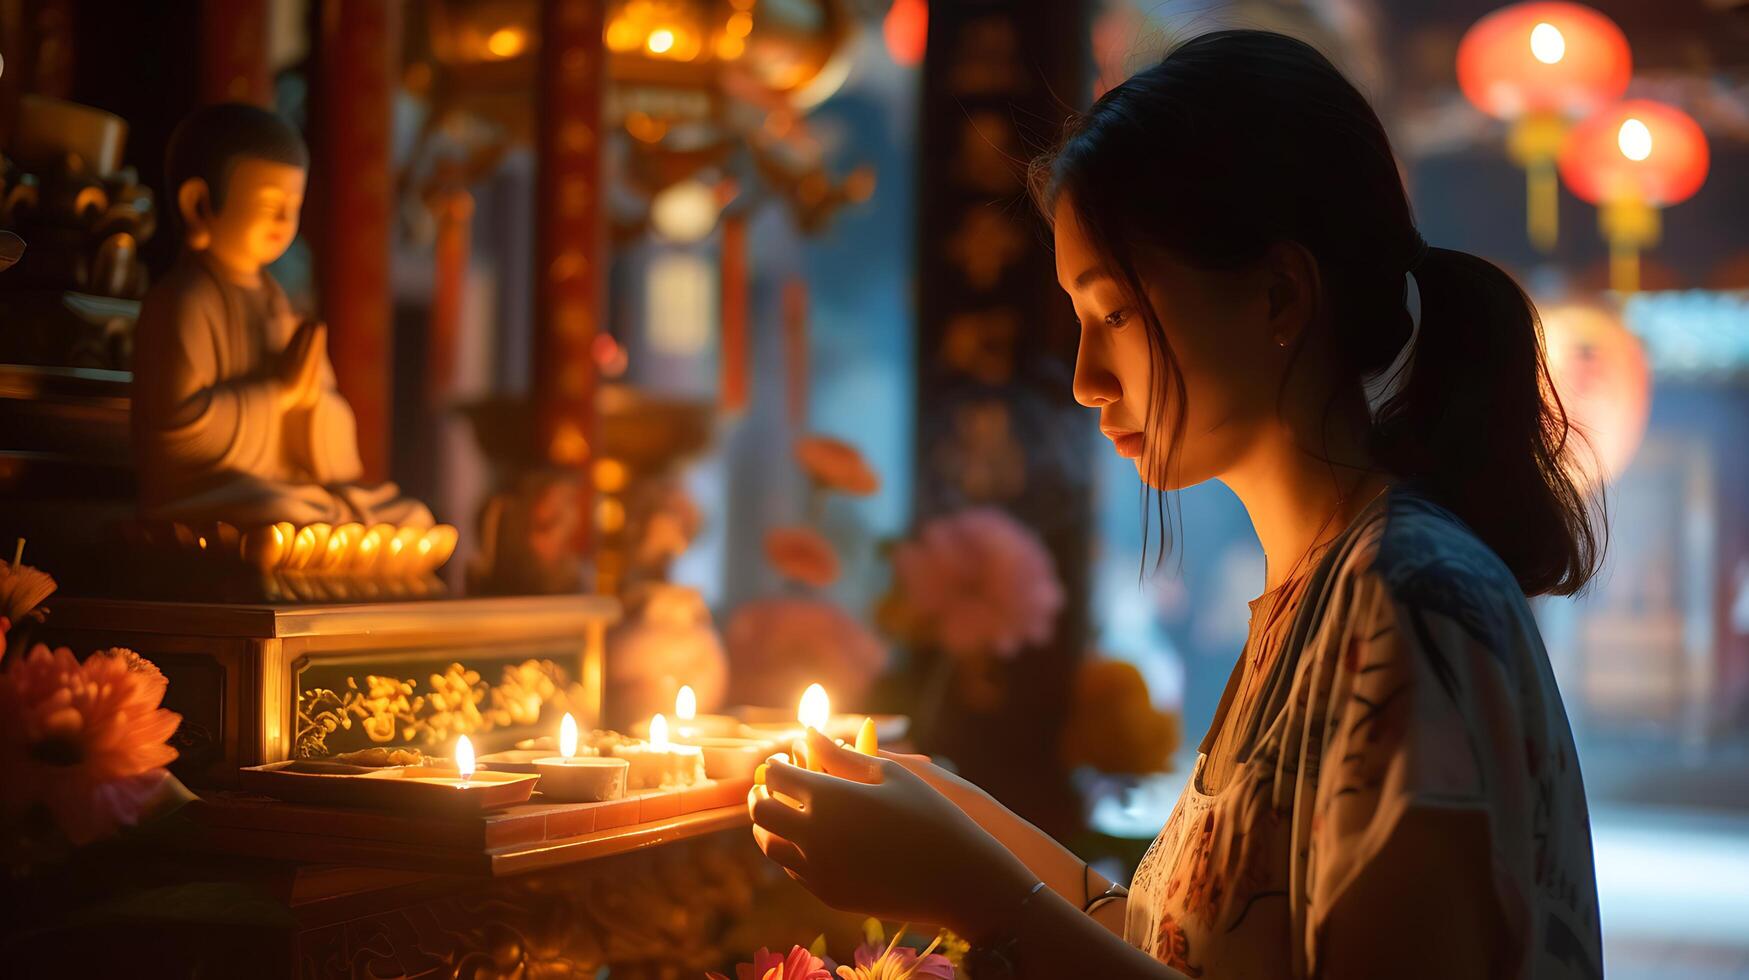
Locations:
1221 328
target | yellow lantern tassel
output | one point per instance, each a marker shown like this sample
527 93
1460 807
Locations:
1624 268
1542 205
1629 225
1534 143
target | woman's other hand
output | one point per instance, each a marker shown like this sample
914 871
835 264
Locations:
871 835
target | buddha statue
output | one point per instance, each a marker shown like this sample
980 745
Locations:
236 417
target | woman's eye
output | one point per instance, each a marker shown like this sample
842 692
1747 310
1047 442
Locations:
1117 318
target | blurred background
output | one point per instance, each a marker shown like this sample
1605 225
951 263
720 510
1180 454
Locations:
684 273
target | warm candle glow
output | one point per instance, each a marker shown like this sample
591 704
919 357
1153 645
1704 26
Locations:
659 732
686 703
464 757
661 40
1547 44
568 736
867 741
1635 139
815 709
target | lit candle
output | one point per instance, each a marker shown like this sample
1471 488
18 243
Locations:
815 709
660 763
725 756
867 741
586 779
689 723
462 786
464 758
814 712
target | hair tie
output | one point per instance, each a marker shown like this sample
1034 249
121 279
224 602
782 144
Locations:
1419 254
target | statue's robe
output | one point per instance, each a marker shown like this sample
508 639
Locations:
211 441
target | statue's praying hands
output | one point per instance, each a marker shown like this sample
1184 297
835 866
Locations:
300 366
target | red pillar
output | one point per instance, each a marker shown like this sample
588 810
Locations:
233 52
453 207
570 245
733 354
352 194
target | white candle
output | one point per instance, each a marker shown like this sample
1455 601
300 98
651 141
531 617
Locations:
727 757
586 779
659 763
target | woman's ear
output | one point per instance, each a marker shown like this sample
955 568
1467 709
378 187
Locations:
194 201
1294 291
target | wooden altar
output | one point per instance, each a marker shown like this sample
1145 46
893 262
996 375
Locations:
234 884
255 683
661 898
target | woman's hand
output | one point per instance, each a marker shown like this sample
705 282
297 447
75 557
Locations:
870 835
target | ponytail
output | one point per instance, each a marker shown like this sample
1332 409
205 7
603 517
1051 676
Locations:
1478 425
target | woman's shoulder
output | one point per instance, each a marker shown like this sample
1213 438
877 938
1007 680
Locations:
1425 558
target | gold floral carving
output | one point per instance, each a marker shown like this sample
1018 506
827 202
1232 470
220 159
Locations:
455 702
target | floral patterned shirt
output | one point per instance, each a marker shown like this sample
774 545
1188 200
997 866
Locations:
1408 679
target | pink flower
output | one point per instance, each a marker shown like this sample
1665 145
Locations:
836 465
977 583
777 647
894 961
803 555
88 740
798 965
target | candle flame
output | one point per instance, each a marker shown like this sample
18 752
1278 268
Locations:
464 757
815 709
867 740
659 732
568 736
686 703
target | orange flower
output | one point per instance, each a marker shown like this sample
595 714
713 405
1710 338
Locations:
803 555
836 465
1113 726
86 740
22 589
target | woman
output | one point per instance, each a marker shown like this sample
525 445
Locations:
1389 786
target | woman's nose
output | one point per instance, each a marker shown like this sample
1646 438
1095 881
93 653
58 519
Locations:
1094 386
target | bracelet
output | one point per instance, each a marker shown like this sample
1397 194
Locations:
1115 893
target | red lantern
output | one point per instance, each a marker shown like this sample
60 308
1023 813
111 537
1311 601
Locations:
906 30
1638 148
1630 160
1539 65
1543 57
1600 371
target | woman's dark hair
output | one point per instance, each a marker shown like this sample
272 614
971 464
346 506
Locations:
1238 140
